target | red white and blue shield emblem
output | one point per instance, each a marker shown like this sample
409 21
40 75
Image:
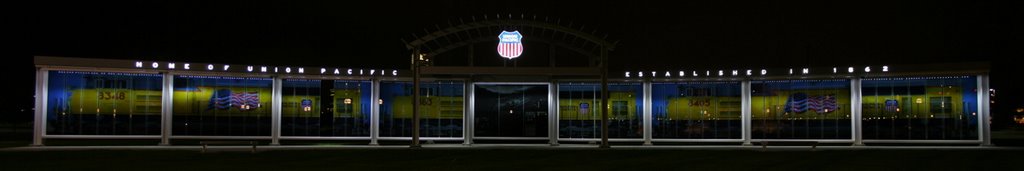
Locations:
510 44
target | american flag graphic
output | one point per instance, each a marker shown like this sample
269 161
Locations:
826 104
801 102
225 99
510 44
796 103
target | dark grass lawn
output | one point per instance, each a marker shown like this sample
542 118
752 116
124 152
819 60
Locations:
511 159
491 159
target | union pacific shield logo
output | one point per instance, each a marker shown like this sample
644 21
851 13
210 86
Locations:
510 44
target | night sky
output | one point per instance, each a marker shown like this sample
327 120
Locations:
703 34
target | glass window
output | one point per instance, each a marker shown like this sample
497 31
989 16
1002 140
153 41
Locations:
221 106
99 103
441 105
347 111
696 110
801 109
932 108
578 118
511 110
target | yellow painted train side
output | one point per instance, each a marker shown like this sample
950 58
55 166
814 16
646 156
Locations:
291 105
569 108
112 101
919 105
704 108
193 102
433 107
764 107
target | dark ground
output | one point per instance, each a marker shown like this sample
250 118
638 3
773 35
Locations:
510 159
504 158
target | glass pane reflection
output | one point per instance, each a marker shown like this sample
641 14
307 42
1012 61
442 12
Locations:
930 108
441 103
309 109
580 116
801 109
98 103
221 106
511 110
696 110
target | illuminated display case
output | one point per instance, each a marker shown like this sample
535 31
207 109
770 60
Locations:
920 108
221 106
103 103
92 99
347 115
801 109
579 114
696 110
511 110
441 103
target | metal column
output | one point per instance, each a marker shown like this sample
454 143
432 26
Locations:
167 109
416 103
468 120
746 111
553 113
856 112
39 121
984 107
275 112
470 57
375 112
604 99
647 115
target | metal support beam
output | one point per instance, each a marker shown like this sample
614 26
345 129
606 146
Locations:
375 112
551 56
167 109
856 112
275 111
39 121
479 25
648 117
746 112
984 110
470 57
553 113
604 99
469 114
416 102
538 71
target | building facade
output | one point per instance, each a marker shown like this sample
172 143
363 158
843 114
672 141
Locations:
79 98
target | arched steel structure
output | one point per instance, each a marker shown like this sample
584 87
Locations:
482 29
